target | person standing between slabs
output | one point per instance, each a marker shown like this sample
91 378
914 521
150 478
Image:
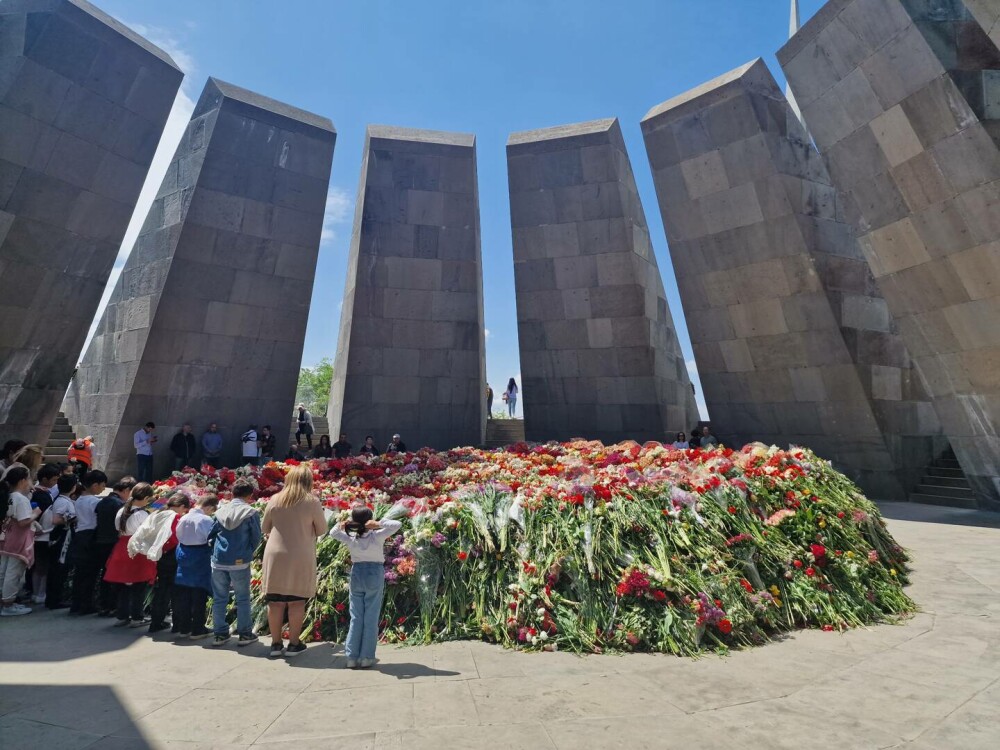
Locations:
489 401
143 441
268 444
305 421
251 449
211 446
510 396
184 447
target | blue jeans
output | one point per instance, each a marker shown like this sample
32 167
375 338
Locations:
143 468
367 587
240 580
511 405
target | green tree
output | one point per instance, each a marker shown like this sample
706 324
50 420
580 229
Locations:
314 386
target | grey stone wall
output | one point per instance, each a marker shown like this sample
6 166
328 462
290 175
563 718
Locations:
794 343
411 353
83 101
901 100
207 321
599 352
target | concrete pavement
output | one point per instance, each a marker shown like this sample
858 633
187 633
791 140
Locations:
931 683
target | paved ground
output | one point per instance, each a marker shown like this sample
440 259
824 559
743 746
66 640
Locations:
933 683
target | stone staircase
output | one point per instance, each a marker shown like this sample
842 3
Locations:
944 483
60 439
320 427
503 432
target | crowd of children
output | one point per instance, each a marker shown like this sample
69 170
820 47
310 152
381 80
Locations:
69 543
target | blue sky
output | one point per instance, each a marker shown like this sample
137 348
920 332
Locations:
489 68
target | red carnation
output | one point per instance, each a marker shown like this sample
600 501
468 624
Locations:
660 595
797 563
725 626
732 509
818 550
462 556
810 571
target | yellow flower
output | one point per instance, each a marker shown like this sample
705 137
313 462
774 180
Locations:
892 571
822 524
775 591
777 602
850 554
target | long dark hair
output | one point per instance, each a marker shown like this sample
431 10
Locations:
511 384
360 516
14 476
140 492
324 440
10 448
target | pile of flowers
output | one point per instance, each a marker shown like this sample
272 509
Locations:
588 547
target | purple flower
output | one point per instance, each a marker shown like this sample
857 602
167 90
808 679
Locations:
438 539
411 469
391 576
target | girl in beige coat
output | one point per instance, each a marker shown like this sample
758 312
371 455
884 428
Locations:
292 521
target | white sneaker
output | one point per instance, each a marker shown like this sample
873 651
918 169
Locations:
352 663
366 663
13 610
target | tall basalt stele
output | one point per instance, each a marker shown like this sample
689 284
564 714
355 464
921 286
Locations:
83 101
600 357
411 353
207 321
900 97
794 343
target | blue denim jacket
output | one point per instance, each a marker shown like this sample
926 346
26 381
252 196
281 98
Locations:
235 536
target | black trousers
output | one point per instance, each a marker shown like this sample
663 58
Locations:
107 594
82 553
131 601
163 589
307 432
189 609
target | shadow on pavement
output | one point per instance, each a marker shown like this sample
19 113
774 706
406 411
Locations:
65 637
34 716
939 514
409 671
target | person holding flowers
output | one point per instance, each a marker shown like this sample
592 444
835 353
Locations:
365 539
293 520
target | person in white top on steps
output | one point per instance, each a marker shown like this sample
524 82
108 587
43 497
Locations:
510 396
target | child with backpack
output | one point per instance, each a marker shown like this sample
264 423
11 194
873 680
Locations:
235 536
365 538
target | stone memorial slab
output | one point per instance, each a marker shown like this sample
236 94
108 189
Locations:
83 101
411 353
599 352
901 97
207 321
794 342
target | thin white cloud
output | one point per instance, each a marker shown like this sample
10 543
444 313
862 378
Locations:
339 207
168 41
488 334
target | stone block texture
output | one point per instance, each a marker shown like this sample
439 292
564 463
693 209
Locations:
411 353
207 320
599 352
793 340
901 98
83 101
